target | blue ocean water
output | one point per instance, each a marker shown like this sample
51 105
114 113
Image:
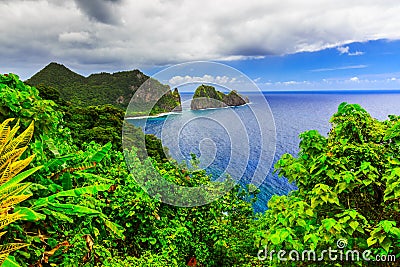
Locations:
228 140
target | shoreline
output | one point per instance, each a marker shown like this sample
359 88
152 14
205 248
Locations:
221 107
154 116
178 113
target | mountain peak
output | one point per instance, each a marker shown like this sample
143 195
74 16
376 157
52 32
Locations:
58 67
55 75
97 89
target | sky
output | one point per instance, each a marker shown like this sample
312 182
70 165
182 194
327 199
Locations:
279 44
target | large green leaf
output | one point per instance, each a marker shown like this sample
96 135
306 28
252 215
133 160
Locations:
60 161
72 209
20 177
30 215
66 181
52 147
115 228
99 155
10 262
94 189
59 215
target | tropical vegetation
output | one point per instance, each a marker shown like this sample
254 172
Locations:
116 89
68 199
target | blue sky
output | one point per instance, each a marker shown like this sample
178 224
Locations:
280 44
367 65
371 65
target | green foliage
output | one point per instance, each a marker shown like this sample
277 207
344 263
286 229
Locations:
12 191
207 96
84 192
209 92
18 100
171 101
98 89
71 205
101 124
347 189
217 234
87 209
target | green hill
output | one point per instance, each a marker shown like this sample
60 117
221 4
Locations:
116 89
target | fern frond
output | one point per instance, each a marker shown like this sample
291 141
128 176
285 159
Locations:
3 257
10 156
19 178
14 168
6 173
5 130
19 142
13 132
4 212
10 247
24 138
12 200
13 190
9 218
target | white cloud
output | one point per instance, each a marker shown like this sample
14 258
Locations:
341 68
295 82
346 50
145 33
357 53
74 37
343 50
364 82
222 80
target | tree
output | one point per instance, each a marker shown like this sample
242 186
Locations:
348 189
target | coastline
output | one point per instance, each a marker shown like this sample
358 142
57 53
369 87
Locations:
221 107
178 113
153 116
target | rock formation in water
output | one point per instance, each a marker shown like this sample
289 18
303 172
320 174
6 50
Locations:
207 96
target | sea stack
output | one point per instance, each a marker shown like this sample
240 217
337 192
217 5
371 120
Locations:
207 96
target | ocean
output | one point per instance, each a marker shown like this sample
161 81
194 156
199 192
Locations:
246 141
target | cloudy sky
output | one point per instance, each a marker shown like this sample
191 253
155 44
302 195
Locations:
280 44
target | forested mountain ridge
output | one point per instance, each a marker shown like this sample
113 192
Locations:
116 88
